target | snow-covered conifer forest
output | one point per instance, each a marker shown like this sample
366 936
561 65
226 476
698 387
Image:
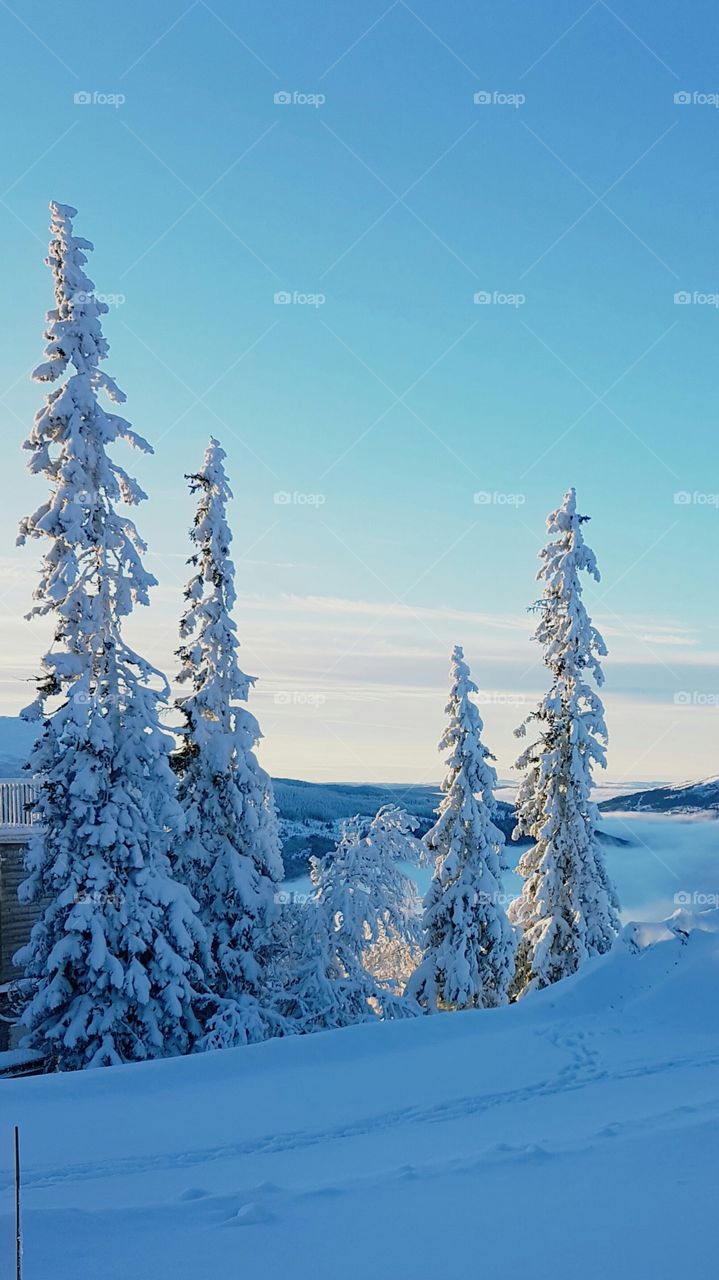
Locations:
156 862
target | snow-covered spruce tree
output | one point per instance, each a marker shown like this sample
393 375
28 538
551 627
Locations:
311 988
469 951
568 909
111 966
361 899
395 949
229 856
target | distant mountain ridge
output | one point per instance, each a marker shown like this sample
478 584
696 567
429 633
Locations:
311 814
327 800
689 797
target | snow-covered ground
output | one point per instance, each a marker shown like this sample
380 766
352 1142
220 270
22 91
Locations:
571 1137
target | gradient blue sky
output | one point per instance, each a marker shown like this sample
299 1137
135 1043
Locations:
399 397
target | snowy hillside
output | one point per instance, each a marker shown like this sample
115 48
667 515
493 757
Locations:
690 797
572 1135
335 800
312 813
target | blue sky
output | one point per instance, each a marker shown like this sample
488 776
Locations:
383 406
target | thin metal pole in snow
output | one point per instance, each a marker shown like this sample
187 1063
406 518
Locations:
18 1224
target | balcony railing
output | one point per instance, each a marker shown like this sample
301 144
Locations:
17 798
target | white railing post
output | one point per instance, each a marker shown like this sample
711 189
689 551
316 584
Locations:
17 796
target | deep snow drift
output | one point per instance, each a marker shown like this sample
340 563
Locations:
572 1136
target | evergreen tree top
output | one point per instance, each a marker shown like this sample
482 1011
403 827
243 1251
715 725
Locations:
208 653
92 572
570 641
74 334
468 766
212 471
567 522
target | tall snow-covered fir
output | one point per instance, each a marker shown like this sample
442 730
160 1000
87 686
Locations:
568 909
112 969
230 854
469 953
